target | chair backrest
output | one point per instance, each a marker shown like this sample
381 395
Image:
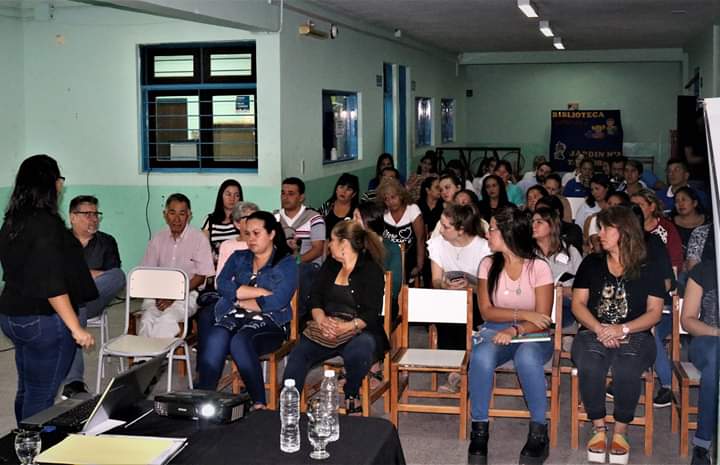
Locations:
386 311
295 321
677 328
157 283
557 317
576 203
421 305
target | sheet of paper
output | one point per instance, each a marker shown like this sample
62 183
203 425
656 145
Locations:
112 449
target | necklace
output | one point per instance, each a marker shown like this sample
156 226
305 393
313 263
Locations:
517 291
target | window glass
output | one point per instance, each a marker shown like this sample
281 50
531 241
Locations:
340 126
230 64
423 121
447 119
171 66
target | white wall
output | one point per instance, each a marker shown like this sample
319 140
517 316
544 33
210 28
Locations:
81 93
704 53
11 93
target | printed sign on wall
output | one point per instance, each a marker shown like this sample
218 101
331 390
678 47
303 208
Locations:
594 134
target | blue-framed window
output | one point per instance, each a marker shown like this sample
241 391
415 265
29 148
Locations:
447 120
423 121
340 125
199 106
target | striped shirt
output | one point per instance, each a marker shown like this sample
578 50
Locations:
219 233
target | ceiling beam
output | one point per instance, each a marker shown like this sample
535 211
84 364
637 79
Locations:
575 56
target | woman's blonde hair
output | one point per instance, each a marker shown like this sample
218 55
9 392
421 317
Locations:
633 252
651 198
393 186
361 240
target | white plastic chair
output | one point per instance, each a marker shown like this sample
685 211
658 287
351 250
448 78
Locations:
576 203
151 283
101 322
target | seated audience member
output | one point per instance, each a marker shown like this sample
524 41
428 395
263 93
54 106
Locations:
579 186
575 173
494 197
403 224
218 226
530 174
617 299
342 203
458 169
543 169
346 308
605 167
612 199
487 166
515 195
553 186
450 186
515 294
569 231
425 169
632 182
454 258
467 197
701 245
430 203
252 316
388 172
617 171
178 246
700 319
688 214
595 201
532 195
304 230
678 176
561 256
103 260
239 217
384 160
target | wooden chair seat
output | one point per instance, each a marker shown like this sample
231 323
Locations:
437 358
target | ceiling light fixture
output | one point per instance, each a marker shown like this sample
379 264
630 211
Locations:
545 28
557 43
528 8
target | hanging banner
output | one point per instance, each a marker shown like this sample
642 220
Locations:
594 134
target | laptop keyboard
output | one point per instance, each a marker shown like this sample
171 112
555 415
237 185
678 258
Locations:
76 416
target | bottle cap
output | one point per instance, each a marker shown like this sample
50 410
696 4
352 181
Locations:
289 382
329 373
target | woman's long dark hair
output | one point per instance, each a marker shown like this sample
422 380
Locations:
218 214
485 209
35 189
516 230
271 224
351 181
601 179
378 170
690 192
425 186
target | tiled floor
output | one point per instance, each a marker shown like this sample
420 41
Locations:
426 439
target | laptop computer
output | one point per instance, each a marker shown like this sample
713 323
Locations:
85 415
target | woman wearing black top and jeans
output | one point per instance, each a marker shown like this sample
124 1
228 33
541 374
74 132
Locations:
46 280
346 302
617 298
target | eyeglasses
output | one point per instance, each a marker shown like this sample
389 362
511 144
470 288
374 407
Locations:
62 178
97 215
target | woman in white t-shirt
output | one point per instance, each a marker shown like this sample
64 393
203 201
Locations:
403 224
515 293
455 255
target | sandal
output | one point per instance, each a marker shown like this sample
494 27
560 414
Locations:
353 406
619 450
597 446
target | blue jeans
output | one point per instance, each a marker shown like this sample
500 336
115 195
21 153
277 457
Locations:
662 361
703 354
245 346
108 284
529 359
358 356
44 349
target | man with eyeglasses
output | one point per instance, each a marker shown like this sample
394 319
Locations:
103 259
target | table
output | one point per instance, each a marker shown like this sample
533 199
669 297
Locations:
255 440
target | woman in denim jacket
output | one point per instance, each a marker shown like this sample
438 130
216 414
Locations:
251 317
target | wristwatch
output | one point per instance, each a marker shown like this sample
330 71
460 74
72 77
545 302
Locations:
625 331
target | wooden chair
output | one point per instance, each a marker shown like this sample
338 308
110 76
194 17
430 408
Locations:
685 378
270 361
368 396
552 369
432 306
578 413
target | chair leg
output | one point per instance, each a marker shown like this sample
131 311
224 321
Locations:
237 384
674 406
272 375
365 396
99 372
170 370
188 368
574 406
684 418
386 376
463 406
649 413
394 377
554 408
180 351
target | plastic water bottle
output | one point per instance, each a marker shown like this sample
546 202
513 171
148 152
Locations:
289 417
329 393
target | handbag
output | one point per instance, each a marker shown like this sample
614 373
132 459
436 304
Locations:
314 332
209 295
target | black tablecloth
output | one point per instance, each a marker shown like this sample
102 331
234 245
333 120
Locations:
256 440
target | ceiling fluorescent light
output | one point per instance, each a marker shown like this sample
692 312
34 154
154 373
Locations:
528 8
545 28
557 43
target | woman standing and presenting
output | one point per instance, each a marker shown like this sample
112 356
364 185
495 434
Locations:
617 298
515 293
346 305
46 280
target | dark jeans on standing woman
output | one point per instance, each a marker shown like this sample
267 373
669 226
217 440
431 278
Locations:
357 354
628 362
245 346
44 350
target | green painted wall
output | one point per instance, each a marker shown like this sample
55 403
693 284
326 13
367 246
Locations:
11 90
512 103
